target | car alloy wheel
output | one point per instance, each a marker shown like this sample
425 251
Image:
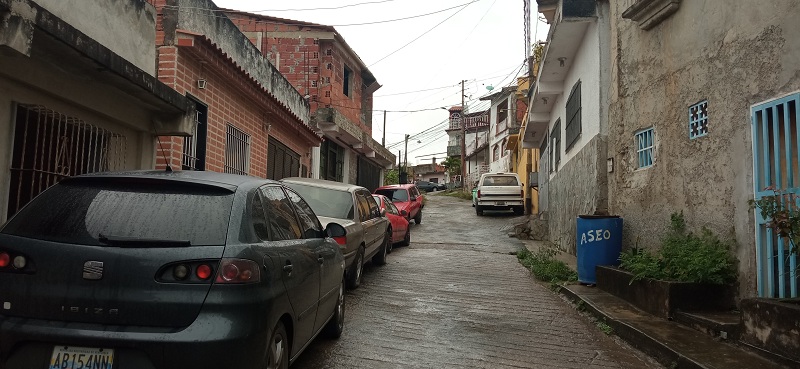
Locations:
380 257
335 326
354 279
278 349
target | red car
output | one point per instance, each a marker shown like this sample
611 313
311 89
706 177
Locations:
405 197
401 231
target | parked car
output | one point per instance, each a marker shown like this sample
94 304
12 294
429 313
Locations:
167 270
405 197
427 186
401 231
499 191
368 233
441 186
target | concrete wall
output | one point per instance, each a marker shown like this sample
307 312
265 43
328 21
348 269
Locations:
186 15
732 53
578 188
126 27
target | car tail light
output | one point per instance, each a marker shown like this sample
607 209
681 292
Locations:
342 240
5 259
20 262
522 193
203 272
181 272
232 271
479 193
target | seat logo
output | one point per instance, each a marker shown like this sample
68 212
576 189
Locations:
93 270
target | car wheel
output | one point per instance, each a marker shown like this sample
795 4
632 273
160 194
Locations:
380 257
390 244
519 210
407 239
418 218
335 326
478 210
356 271
278 349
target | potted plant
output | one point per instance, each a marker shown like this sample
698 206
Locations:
688 272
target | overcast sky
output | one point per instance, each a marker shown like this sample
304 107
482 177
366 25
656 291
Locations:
480 41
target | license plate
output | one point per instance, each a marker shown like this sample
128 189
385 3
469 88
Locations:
72 357
500 203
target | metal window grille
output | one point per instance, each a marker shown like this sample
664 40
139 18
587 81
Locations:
237 151
329 66
698 119
315 55
314 83
316 41
644 148
49 146
189 158
327 94
314 69
328 52
776 164
573 128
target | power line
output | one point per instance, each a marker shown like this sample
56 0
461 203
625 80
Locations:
313 9
222 15
424 33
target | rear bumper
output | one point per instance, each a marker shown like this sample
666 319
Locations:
216 339
499 203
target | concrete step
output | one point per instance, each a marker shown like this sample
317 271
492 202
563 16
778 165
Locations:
672 344
723 325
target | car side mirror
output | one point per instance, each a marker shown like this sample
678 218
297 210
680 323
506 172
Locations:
334 230
403 212
413 198
383 212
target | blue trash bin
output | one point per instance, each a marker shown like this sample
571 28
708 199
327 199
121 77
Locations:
599 242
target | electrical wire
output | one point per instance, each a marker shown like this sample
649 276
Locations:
424 33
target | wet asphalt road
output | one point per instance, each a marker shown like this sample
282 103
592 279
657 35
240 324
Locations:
458 298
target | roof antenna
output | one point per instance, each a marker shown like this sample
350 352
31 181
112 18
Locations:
163 153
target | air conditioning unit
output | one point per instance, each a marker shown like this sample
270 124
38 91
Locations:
533 179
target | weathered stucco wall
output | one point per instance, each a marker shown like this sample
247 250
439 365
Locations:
188 15
576 189
126 27
732 53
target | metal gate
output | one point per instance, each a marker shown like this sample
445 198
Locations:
369 175
775 165
49 146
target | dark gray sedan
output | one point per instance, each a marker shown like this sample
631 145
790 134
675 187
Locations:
166 270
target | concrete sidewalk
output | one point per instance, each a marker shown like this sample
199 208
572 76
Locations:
672 344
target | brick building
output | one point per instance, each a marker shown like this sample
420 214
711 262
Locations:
250 119
318 62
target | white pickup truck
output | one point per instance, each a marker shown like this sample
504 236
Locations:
499 191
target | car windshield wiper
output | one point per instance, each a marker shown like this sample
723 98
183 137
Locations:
138 242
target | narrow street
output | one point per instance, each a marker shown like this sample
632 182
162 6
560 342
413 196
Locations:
458 298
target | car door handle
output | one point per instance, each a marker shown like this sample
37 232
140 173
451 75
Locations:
320 260
288 267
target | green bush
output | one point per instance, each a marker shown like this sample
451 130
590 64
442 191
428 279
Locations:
683 257
459 194
545 267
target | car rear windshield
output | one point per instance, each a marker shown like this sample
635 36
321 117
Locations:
326 202
80 211
500 181
398 195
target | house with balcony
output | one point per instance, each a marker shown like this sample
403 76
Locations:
250 120
338 87
505 117
568 115
79 94
476 136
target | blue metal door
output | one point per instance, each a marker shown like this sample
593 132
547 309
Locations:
775 165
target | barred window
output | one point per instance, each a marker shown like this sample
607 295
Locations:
573 127
644 148
237 151
698 120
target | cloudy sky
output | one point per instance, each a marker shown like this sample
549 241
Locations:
419 51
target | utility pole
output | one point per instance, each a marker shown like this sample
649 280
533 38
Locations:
463 141
383 141
406 155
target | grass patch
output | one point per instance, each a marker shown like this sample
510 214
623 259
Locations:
545 267
459 194
605 328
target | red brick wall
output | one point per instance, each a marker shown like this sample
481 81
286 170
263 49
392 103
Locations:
302 60
232 99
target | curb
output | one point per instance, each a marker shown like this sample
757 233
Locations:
635 337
